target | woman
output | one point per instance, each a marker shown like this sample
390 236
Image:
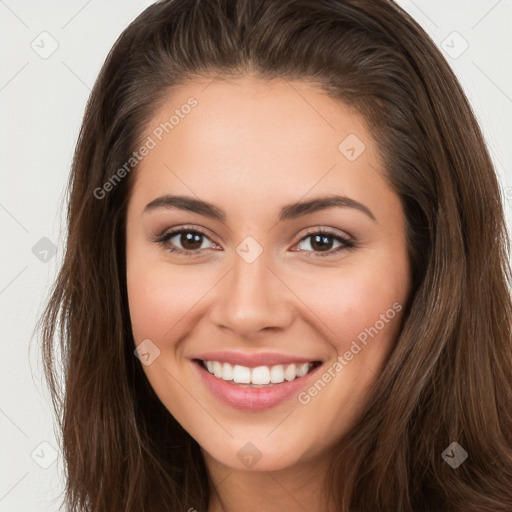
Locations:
286 283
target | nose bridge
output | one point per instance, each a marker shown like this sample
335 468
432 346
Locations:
250 281
252 297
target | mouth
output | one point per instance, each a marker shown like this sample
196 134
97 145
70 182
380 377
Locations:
257 377
255 388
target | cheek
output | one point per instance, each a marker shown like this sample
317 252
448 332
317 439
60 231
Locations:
352 299
361 304
162 299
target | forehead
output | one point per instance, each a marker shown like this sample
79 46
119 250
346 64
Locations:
260 116
264 141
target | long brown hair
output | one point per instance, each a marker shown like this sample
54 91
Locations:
449 378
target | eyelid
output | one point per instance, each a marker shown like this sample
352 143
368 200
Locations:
168 233
329 231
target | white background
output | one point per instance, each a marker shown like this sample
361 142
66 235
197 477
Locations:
41 106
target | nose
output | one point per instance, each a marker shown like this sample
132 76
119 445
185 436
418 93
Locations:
252 298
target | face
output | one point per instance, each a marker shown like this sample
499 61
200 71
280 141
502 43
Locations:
267 268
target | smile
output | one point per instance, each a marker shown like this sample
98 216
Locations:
260 376
254 382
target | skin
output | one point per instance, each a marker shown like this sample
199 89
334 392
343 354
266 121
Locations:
250 147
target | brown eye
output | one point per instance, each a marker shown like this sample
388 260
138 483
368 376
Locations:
184 241
191 240
322 243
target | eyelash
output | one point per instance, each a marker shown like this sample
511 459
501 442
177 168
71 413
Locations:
346 243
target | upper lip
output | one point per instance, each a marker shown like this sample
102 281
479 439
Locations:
254 359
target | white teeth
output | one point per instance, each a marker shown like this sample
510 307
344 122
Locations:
217 369
261 375
277 374
241 374
302 369
227 371
289 372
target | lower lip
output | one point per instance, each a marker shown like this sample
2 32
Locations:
254 399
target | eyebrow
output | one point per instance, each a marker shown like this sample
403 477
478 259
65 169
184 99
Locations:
288 212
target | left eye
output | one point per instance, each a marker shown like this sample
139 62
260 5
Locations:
323 241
